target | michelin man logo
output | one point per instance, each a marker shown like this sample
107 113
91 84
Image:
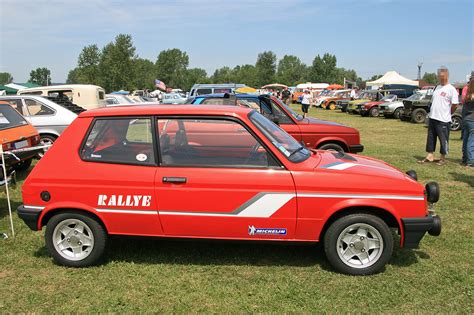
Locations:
266 231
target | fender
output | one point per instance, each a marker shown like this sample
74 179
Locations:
331 139
49 132
69 205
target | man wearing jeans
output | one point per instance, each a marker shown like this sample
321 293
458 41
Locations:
444 96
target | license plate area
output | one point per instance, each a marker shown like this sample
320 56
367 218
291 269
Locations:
21 144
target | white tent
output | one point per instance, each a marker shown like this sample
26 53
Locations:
392 77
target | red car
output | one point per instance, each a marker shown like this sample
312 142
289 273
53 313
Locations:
315 133
217 172
372 109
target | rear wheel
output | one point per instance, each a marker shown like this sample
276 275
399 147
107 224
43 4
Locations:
331 106
374 112
456 123
75 239
46 140
418 116
358 244
332 147
396 113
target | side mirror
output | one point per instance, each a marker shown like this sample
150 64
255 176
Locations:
275 120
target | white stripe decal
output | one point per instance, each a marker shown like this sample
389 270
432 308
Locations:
266 206
347 196
127 211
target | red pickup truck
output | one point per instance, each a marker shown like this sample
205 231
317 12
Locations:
218 172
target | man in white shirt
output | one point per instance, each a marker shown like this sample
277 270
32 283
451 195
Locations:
444 97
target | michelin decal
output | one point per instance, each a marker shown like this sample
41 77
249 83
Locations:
266 231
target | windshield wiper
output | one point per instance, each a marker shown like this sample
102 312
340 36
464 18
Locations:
297 150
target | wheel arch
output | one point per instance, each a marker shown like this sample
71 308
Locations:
48 133
337 141
52 212
387 216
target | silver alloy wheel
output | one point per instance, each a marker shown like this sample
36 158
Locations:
45 141
73 239
359 245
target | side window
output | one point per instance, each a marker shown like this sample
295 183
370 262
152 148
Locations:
203 91
282 116
16 104
124 140
219 101
210 143
36 108
101 95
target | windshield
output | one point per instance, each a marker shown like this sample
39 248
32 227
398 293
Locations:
285 143
417 96
10 118
389 97
290 110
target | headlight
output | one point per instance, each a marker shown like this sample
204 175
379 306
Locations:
432 192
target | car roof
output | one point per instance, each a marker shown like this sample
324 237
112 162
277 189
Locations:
221 95
157 109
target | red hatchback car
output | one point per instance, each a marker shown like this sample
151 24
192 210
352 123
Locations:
217 172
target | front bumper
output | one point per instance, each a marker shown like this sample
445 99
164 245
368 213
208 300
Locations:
356 148
415 229
30 215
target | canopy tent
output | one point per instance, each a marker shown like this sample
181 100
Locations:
246 89
392 77
274 85
8 90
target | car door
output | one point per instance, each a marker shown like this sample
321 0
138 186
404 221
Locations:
227 185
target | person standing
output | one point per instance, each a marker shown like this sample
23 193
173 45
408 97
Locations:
468 124
353 94
285 95
444 96
305 102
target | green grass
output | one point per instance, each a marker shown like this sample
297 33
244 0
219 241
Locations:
223 277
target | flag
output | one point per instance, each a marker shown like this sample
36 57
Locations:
160 85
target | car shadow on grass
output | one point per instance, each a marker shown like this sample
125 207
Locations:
222 253
468 179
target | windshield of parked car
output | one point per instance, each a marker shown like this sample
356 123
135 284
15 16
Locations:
389 97
10 118
417 96
290 110
286 144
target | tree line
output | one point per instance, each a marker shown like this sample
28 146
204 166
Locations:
116 66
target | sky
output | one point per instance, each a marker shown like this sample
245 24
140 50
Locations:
369 36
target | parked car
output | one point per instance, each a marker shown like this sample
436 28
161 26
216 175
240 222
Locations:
315 133
201 89
372 108
16 134
84 95
49 118
416 107
173 98
392 109
456 118
330 101
218 172
342 104
118 100
354 106
315 88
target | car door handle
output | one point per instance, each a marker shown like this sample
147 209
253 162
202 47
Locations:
175 180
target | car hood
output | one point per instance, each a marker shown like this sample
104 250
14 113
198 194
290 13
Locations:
324 126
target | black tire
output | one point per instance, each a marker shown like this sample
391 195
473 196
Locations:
418 116
335 229
98 232
374 112
332 146
396 113
456 123
46 139
23 165
331 106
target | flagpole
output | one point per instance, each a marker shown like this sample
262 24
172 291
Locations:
6 188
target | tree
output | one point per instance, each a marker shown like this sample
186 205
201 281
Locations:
430 77
265 68
88 65
223 75
73 76
375 77
5 78
171 66
323 69
246 74
41 76
290 70
116 63
143 74
195 75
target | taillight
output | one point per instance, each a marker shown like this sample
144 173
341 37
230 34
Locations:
35 140
7 146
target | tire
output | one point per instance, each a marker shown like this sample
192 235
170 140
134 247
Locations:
331 106
374 112
46 139
418 116
396 113
348 240
456 123
23 165
71 223
332 146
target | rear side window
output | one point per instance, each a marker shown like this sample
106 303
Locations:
16 104
203 91
10 118
101 95
38 109
124 140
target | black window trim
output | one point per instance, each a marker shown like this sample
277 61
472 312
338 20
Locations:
91 126
228 118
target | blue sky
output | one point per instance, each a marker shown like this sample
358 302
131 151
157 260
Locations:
370 36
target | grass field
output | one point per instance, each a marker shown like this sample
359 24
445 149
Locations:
220 277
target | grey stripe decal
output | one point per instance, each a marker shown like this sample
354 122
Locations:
331 164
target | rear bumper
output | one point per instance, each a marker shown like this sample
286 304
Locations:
356 148
30 215
415 229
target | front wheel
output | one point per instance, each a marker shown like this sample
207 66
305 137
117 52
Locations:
418 116
74 239
456 123
331 147
374 112
46 140
358 244
396 113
